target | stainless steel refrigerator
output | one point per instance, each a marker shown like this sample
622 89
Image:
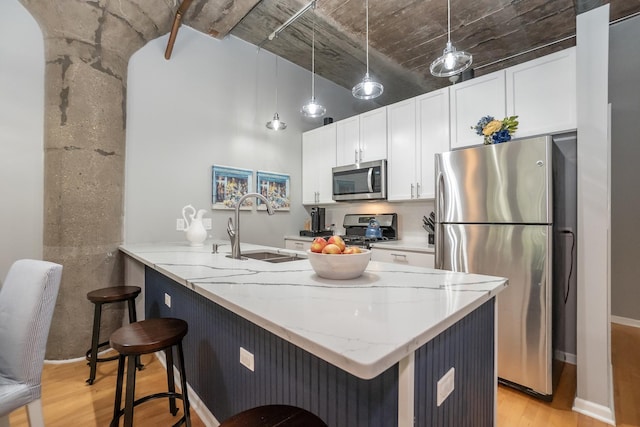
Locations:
495 215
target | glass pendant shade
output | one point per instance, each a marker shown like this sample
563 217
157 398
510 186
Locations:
452 61
313 109
367 88
276 124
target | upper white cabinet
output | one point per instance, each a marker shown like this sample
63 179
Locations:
362 138
401 138
416 130
472 100
542 93
318 157
432 111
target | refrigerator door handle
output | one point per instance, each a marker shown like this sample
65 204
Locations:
438 229
439 246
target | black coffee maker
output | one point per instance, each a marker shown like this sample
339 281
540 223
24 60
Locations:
317 219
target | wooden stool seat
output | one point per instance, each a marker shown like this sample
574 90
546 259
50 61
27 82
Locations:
148 336
274 415
99 297
114 294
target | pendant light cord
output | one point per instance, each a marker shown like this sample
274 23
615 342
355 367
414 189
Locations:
449 21
313 57
367 22
276 83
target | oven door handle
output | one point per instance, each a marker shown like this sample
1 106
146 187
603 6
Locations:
370 179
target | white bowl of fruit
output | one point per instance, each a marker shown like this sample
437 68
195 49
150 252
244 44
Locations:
332 259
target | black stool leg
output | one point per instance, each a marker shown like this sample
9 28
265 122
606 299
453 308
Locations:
118 401
183 382
170 381
95 339
131 391
132 319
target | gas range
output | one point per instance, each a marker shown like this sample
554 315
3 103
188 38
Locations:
355 227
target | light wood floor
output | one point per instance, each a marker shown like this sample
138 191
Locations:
69 401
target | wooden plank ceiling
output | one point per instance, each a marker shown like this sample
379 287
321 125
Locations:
404 35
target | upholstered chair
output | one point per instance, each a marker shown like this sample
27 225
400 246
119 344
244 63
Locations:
27 299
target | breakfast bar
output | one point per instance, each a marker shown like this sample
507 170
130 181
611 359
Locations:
368 351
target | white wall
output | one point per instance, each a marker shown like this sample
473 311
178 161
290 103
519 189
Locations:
209 105
21 135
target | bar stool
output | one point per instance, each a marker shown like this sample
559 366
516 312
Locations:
107 296
149 336
274 415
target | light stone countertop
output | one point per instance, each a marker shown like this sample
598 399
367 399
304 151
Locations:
363 326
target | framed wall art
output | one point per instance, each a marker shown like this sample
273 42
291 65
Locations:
276 187
228 185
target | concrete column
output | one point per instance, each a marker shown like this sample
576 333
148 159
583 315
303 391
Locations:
87 48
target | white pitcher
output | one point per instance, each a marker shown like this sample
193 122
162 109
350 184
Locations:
194 229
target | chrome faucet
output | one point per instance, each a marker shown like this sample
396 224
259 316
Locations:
234 231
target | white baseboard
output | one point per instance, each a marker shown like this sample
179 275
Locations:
594 410
195 402
77 359
565 357
625 321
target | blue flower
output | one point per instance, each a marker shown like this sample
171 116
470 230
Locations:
501 136
482 123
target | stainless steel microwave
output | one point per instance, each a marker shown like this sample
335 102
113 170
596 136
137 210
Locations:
362 181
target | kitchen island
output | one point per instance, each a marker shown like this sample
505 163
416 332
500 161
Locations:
361 352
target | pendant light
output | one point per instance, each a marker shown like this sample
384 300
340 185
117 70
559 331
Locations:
367 88
452 61
312 108
276 124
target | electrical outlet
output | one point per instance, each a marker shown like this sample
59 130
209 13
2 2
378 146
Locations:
246 359
445 386
180 224
167 300
207 223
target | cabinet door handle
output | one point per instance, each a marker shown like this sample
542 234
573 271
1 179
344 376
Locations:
355 155
412 191
360 156
404 256
299 245
417 190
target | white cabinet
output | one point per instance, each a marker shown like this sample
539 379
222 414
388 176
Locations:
472 100
373 135
418 259
432 111
542 93
318 157
416 130
401 138
297 244
362 138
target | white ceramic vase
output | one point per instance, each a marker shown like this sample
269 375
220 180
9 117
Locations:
194 231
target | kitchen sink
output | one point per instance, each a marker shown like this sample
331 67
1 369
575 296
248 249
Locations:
274 257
